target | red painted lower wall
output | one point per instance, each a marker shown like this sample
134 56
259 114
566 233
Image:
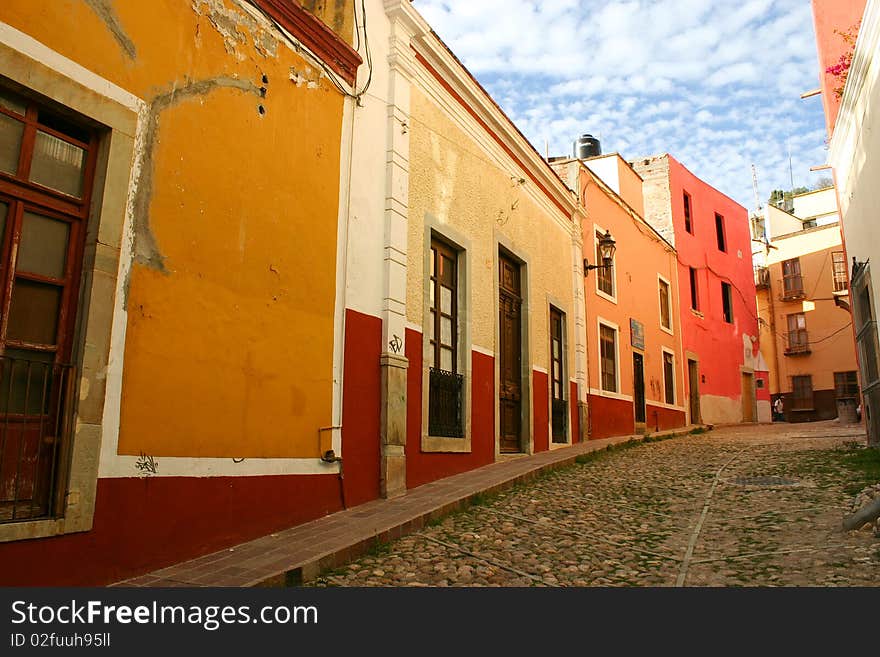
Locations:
540 402
575 415
424 467
361 407
610 417
145 524
142 524
661 419
762 393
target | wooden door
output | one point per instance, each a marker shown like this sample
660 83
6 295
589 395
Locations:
694 387
748 397
510 353
639 388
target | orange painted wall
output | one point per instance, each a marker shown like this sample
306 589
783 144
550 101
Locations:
828 16
641 256
229 341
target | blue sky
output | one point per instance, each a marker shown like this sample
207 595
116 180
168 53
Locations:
716 83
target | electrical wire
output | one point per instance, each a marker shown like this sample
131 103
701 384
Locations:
331 75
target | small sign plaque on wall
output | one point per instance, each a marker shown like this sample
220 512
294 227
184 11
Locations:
637 331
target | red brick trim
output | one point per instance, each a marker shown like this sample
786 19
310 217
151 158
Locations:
315 35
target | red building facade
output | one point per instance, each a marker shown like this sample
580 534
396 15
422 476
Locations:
717 302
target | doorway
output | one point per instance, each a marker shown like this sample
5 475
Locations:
639 390
510 362
694 387
748 396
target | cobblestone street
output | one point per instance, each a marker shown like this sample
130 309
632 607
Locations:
737 506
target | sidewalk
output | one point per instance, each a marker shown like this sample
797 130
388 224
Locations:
298 554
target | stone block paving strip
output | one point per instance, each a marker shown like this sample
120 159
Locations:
301 553
757 505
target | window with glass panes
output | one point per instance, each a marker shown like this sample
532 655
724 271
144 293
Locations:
444 306
608 357
846 384
802 392
665 305
46 166
557 374
605 273
669 377
47 162
445 383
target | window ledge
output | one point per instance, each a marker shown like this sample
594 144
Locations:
442 444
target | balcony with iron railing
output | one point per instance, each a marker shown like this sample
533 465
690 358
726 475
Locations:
793 288
762 278
798 343
36 401
841 284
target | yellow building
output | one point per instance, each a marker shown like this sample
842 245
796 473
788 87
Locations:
170 198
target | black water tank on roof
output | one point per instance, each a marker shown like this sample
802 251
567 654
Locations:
587 146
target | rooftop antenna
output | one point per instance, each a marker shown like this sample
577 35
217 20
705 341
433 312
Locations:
790 168
755 187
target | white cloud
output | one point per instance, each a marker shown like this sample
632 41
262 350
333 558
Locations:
714 82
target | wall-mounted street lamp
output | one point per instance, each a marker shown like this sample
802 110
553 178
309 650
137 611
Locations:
607 247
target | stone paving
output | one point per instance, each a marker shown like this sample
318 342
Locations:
737 506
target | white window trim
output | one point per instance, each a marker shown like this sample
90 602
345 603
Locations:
612 297
674 402
600 322
671 328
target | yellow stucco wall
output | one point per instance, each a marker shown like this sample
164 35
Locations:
455 182
231 297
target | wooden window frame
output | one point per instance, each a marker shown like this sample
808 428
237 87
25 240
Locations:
792 279
727 302
661 283
668 381
688 212
846 384
23 195
615 358
720 236
557 381
798 337
839 273
802 392
695 289
441 248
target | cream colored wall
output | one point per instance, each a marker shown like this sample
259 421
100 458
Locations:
778 222
820 205
808 241
456 182
855 144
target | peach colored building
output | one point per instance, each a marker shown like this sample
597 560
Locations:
806 335
634 358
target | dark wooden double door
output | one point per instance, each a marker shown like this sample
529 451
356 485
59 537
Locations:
510 354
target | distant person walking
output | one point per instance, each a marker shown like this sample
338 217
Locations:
778 410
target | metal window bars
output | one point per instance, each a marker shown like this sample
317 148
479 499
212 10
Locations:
445 396
36 401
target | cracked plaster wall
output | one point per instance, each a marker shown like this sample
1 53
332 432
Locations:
230 297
